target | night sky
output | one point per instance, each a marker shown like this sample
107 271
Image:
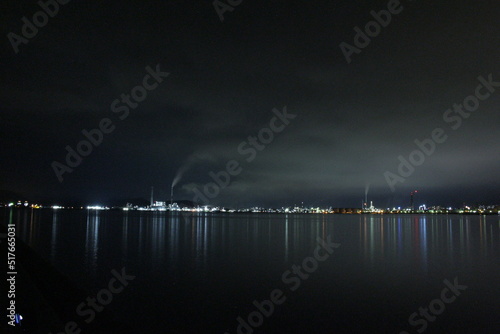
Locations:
353 120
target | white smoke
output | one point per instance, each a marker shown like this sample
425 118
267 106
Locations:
180 172
367 188
190 162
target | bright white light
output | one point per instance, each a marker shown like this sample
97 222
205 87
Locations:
96 207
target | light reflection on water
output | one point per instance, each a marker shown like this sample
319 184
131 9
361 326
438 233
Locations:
413 237
92 239
161 237
53 237
228 260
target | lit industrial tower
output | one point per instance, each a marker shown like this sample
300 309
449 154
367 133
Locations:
171 195
152 188
412 207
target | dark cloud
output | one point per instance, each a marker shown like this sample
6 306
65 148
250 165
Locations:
353 120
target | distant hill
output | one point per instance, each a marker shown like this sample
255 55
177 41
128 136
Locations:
7 196
123 201
187 203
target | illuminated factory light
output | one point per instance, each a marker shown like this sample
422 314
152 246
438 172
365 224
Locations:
96 207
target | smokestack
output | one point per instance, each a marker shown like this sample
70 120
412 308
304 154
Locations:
152 188
171 195
412 206
367 188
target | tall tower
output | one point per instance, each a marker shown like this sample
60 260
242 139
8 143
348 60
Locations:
412 206
152 188
171 195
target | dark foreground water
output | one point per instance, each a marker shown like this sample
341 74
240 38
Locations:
199 274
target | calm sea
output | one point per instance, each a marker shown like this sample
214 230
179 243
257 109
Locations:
200 273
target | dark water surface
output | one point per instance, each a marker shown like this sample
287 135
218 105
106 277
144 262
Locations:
199 274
